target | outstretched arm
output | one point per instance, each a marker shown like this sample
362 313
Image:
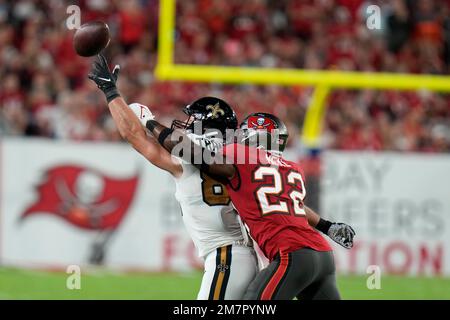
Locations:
128 124
312 216
133 131
193 152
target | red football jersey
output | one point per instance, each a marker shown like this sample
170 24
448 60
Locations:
268 192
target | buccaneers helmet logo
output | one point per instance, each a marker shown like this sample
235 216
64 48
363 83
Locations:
261 123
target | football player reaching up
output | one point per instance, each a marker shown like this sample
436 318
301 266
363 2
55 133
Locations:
268 192
230 263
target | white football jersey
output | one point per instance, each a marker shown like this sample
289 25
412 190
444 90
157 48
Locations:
207 212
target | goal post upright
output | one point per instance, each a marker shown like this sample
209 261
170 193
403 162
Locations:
324 81
166 34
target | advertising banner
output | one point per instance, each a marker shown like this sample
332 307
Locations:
399 206
66 203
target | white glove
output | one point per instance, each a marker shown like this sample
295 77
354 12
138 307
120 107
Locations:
342 234
142 112
207 141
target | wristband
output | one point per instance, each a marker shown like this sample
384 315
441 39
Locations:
163 135
111 93
151 124
111 96
323 225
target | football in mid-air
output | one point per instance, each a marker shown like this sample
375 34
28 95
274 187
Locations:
91 38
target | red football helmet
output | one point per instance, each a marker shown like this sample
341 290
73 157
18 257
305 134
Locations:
265 130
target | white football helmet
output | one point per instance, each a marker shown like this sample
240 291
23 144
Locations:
142 112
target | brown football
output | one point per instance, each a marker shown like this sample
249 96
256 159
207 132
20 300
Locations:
91 38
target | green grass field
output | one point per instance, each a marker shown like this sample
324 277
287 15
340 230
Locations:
26 284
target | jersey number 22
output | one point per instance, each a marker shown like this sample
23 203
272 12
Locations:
296 194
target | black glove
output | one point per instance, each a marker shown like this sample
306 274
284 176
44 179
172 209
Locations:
340 233
104 78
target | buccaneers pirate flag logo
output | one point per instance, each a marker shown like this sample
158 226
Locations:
83 197
86 199
261 123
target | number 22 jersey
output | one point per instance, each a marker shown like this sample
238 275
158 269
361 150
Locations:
268 192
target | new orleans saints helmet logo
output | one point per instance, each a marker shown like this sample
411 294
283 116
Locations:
223 267
216 111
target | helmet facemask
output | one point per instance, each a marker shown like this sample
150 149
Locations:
188 124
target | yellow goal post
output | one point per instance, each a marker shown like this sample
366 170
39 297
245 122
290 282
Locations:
322 80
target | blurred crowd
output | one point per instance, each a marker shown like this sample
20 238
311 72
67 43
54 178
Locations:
44 90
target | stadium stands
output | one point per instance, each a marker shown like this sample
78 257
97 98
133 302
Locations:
44 90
